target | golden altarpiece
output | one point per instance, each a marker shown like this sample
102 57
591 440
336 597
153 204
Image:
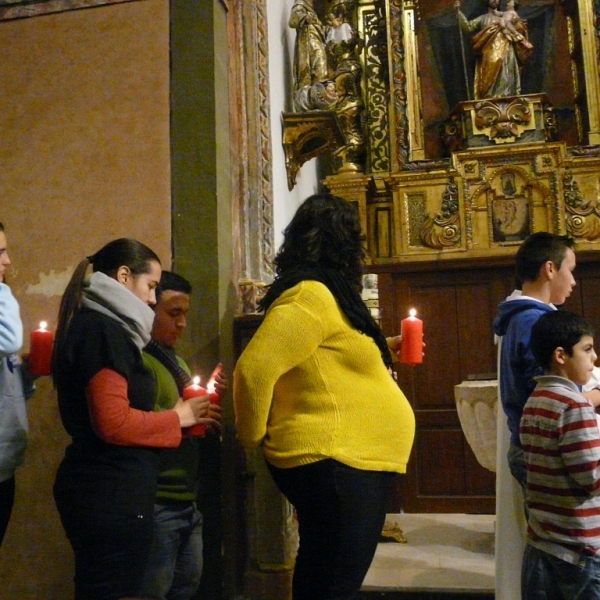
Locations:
449 180
447 184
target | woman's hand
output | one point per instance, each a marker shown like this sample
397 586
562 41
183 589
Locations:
194 410
219 379
394 344
215 412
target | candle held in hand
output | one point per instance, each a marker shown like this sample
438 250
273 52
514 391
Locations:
193 391
41 343
214 396
411 350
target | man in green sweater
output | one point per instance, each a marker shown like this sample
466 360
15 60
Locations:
175 565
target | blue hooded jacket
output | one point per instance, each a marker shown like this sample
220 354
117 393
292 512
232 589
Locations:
14 387
518 367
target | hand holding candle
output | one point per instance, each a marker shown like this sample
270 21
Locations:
411 351
217 386
194 390
41 344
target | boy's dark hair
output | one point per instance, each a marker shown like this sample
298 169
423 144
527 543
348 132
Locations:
172 281
557 329
538 249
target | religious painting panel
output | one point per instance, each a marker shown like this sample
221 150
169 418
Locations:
508 196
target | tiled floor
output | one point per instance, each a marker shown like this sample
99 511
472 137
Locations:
448 556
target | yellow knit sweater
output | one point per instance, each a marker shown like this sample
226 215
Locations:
309 386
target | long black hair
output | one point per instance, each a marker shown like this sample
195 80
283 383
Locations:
325 232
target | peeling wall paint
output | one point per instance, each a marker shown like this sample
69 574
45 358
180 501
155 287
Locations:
51 284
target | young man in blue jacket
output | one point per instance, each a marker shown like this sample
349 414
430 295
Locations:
544 270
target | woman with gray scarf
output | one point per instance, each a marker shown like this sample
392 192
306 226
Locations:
106 482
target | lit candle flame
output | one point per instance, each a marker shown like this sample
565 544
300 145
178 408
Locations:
43 325
196 380
412 313
211 387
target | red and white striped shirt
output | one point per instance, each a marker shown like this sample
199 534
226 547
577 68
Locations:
561 442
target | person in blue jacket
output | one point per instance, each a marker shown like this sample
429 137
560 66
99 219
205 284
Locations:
15 387
544 270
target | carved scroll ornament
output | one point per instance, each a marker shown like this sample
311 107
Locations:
583 216
443 230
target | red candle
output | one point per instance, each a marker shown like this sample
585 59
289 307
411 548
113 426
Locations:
193 391
41 343
411 350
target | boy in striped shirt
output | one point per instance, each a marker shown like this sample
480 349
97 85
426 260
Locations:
561 442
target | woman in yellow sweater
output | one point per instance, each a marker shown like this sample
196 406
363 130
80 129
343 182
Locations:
313 387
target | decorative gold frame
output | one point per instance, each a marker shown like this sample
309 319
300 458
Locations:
15 9
589 45
402 23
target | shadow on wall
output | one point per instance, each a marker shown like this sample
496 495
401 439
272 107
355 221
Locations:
35 541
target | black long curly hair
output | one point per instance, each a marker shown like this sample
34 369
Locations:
325 232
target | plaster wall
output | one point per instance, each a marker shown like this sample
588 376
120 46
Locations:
84 115
281 54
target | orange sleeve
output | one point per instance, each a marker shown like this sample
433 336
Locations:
115 422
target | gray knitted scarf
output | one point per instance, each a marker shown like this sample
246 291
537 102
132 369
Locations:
107 296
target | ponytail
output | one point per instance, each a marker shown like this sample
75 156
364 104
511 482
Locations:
120 252
69 305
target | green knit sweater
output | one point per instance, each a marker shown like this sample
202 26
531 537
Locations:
178 467
309 386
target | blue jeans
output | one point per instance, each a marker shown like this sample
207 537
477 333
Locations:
546 577
175 564
341 511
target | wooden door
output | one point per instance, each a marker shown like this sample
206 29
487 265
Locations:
458 308
457 303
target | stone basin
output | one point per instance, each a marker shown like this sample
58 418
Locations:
476 403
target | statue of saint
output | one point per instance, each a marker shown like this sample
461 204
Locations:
500 52
310 59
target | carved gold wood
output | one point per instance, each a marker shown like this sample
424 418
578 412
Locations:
306 135
581 186
589 44
398 83
573 49
494 121
373 29
485 204
443 230
509 196
416 137
503 121
485 198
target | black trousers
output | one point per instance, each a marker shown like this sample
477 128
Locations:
111 551
341 512
7 500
